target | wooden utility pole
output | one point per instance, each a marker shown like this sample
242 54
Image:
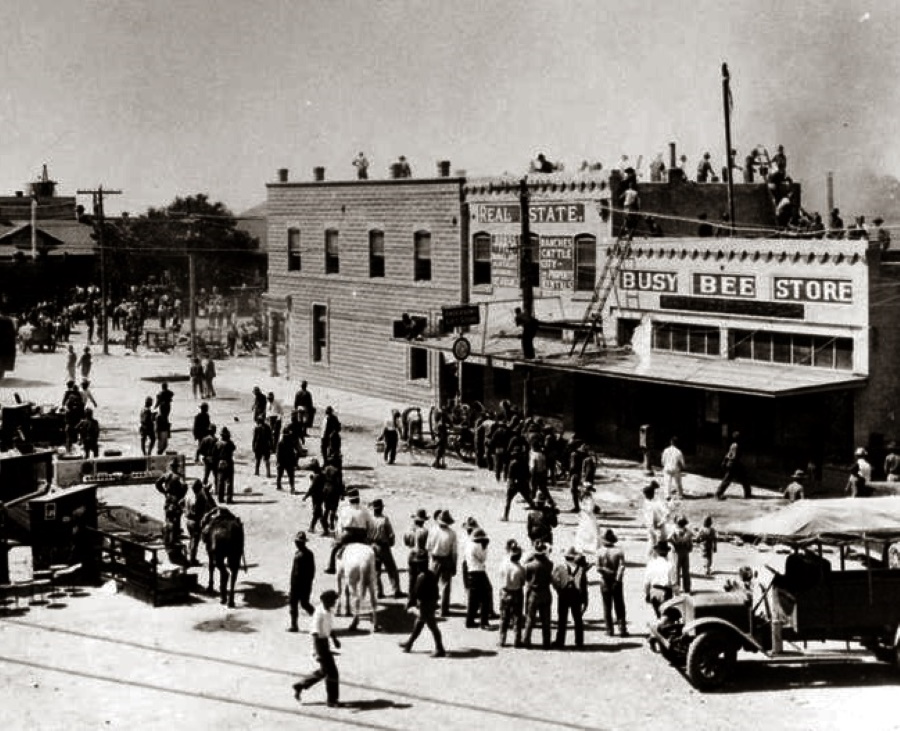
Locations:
97 196
525 252
726 102
192 305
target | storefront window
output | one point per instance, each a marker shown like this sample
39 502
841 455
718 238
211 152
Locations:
481 259
791 348
585 263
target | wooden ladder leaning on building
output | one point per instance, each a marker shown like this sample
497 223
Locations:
617 255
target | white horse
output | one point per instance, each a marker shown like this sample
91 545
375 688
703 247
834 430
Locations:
355 576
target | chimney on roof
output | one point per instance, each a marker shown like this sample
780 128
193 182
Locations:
282 175
443 168
319 174
673 160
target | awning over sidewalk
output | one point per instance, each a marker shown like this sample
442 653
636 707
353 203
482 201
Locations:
714 374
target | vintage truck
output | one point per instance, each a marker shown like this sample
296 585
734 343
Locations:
810 600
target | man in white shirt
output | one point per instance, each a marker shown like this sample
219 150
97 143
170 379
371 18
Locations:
274 414
354 525
321 632
673 466
512 595
658 577
865 467
442 550
480 589
655 515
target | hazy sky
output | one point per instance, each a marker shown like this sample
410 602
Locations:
163 98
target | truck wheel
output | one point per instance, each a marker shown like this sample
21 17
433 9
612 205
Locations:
710 660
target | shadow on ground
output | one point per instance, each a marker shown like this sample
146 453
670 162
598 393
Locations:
262 595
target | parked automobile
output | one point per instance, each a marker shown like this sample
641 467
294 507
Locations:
811 600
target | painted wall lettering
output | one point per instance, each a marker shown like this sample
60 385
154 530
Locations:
557 262
648 281
537 213
505 260
794 289
725 285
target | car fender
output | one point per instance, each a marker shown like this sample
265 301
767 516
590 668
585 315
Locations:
704 624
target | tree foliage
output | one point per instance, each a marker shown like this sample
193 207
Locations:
157 244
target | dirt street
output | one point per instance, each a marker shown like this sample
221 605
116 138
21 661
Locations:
106 660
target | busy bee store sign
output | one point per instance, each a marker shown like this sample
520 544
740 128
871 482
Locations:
556 254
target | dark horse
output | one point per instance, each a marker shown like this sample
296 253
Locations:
223 534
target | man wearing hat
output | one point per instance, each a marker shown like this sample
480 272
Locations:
541 521
480 590
512 595
416 540
570 582
303 571
880 235
865 467
658 577
733 464
172 486
223 456
682 542
425 594
442 551
654 514
892 463
321 632
538 596
383 539
611 567
794 491
354 525
517 478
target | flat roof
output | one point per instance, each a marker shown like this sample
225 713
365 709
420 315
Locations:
689 371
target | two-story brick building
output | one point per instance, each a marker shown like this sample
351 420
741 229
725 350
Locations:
791 341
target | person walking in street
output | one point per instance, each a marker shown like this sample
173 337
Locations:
330 427
286 458
682 541
262 445
658 577
570 582
86 394
196 375
383 540
497 444
206 451
480 589
538 595
425 594
673 466
441 436
85 362
198 503
316 494
735 471
416 540
517 482
541 521
258 407
147 427
576 460
89 434
71 362
390 436
611 567
303 572
223 456
200 428
655 516
303 404
537 468
442 551
274 416
209 377
708 542
322 632
512 594
173 488
163 428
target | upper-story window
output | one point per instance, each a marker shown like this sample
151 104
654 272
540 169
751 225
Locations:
422 256
376 253
293 249
481 258
332 253
585 263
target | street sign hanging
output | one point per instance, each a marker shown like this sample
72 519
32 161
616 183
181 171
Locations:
460 316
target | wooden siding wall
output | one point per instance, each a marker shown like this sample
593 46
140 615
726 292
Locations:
361 356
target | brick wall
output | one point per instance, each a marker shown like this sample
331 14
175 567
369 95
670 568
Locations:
361 310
